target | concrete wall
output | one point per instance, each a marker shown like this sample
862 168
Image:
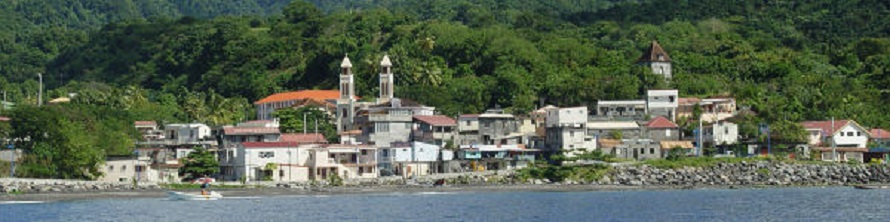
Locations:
663 134
662 69
424 152
491 129
396 132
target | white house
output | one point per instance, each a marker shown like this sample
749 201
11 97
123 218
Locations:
721 133
187 133
127 169
846 137
275 161
662 103
414 159
567 131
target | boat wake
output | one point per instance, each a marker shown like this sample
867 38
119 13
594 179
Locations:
21 202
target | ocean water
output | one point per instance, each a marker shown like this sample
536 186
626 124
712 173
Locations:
785 204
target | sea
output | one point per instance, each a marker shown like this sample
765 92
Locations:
774 204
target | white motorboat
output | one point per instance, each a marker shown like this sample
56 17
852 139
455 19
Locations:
173 195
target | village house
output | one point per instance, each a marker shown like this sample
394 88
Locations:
712 109
846 137
434 129
496 127
416 158
389 122
662 103
654 103
265 161
879 146
614 129
149 130
252 131
481 157
127 169
567 131
638 149
188 134
621 109
720 133
686 147
660 129
467 129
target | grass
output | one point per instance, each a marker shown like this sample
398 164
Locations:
563 173
694 162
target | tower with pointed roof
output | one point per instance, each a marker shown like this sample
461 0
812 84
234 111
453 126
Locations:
346 103
386 80
658 60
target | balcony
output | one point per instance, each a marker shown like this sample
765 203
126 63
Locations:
389 118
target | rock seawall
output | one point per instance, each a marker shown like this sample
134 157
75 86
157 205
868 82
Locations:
750 174
722 174
26 185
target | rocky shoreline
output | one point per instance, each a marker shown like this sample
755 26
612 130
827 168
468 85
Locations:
630 177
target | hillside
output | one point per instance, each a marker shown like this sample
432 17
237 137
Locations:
787 61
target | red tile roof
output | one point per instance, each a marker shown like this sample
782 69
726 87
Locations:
652 54
300 95
825 126
307 138
146 123
688 101
660 122
879 134
269 144
250 130
842 149
436 120
351 132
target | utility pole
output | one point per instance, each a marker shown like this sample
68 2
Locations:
833 146
40 90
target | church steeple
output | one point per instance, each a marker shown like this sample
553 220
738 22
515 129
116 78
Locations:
656 58
346 103
386 80
347 86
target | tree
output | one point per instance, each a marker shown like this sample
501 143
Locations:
291 121
59 145
199 163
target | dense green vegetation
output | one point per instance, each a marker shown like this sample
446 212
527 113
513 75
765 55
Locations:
199 163
786 61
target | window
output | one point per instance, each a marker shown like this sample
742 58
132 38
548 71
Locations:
382 127
191 133
571 133
858 133
468 122
667 132
670 98
651 150
110 168
487 124
124 168
849 133
726 131
385 152
138 168
364 152
266 154
280 173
